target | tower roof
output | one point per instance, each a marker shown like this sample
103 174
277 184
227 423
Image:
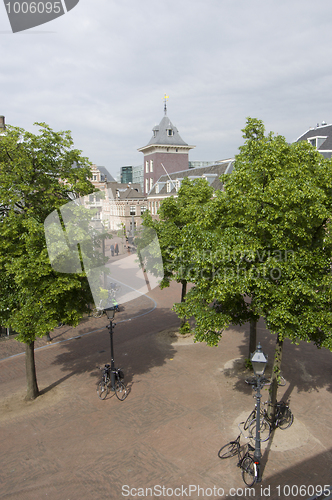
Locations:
166 133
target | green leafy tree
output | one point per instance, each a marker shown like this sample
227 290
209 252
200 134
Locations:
38 174
263 247
174 214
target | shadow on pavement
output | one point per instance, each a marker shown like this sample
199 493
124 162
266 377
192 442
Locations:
58 382
287 483
136 350
304 366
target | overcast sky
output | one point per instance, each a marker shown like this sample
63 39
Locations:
102 69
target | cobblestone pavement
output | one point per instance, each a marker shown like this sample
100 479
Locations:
184 403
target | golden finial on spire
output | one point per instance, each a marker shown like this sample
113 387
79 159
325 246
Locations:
165 103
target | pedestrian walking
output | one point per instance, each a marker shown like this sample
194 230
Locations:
112 250
116 248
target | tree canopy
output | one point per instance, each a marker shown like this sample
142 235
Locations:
38 173
175 213
262 246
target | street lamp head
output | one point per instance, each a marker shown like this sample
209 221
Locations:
259 361
110 311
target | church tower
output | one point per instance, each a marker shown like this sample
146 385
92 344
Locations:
165 151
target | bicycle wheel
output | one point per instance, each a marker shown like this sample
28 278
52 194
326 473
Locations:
97 313
286 419
102 389
120 390
249 419
229 450
253 381
265 429
249 471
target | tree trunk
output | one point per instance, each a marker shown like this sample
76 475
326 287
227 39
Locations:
184 290
252 337
275 376
183 298
30 368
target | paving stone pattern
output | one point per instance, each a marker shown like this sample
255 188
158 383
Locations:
183 405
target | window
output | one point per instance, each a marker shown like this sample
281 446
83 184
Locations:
170 132
316 142
147 166
152 211
94 177
151 165
146 185
168 186
151 183
91 198
143 210
132 210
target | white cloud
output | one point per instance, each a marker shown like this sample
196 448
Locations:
103 72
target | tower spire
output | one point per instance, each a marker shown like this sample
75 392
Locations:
165 104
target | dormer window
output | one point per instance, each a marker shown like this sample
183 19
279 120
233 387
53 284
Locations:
317 141
155 131
170 132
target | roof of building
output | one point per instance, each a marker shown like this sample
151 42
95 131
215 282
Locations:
105 173
323 131
212 173
161 134
127 191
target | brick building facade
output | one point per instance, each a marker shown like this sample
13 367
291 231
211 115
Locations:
165 152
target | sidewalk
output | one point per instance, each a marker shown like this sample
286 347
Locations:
184 403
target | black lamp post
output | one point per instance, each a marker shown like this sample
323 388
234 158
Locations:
259 362
110 311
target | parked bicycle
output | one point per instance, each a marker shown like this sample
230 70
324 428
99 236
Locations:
104 385
264 381
283 418
98 311
246 461
113 289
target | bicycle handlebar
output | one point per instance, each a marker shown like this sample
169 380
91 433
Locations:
246 437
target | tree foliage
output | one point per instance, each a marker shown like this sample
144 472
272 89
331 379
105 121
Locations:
175 213
38 173
262 246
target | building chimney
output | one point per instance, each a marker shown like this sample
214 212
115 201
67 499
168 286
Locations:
2 123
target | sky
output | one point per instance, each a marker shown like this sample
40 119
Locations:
102 70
